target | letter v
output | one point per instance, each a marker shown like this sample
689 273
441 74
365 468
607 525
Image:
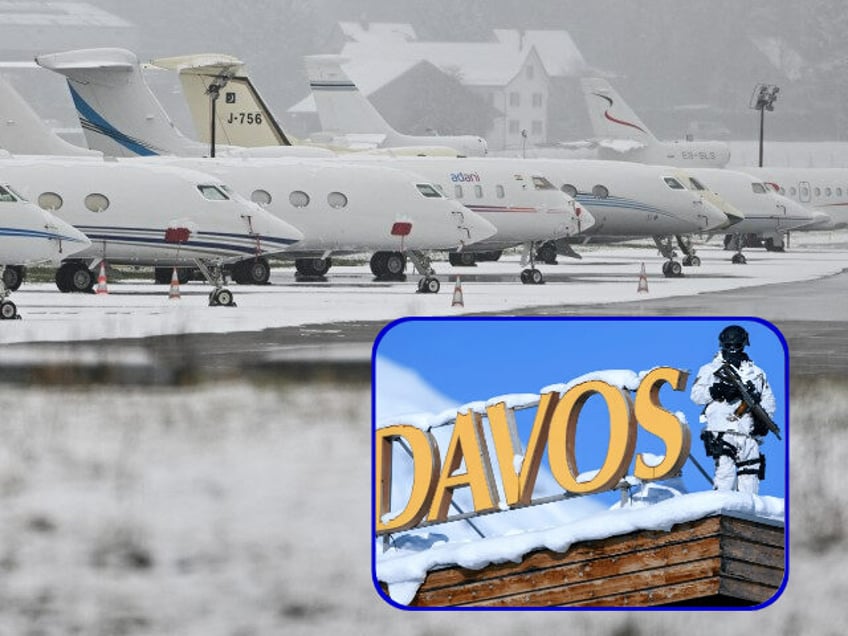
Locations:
518 487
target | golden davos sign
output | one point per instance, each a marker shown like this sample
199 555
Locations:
554 427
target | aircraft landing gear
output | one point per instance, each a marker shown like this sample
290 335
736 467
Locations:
253 271
8 309
671 268
312 268
423 265
739 257
531 275
214 274
75 277
388 265
689 258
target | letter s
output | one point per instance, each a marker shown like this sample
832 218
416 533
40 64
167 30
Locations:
655 419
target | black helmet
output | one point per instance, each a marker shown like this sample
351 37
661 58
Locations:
733 338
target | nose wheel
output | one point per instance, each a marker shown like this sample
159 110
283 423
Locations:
672 269
429 285
532 276
8 310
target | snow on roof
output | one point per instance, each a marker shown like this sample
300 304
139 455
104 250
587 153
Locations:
383 52
43 13
404 569
556 49
377 31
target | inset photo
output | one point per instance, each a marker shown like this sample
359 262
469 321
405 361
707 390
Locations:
529 463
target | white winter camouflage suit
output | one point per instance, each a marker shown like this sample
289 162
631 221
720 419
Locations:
720 417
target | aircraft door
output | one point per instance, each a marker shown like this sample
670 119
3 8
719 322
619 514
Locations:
804 191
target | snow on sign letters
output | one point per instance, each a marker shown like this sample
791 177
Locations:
631 404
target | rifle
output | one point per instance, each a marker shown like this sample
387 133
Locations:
727 373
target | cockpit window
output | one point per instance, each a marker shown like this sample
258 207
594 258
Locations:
428 191
696 185
673 183
6 195
759 188
213 193
540 183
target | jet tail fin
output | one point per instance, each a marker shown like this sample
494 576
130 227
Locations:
340 104
242 117
24 133
118 112
610 115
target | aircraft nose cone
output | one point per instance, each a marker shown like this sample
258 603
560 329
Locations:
479 229
712 217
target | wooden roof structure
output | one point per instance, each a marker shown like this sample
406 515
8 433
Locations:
717 561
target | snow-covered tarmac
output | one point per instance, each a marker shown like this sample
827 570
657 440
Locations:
608 274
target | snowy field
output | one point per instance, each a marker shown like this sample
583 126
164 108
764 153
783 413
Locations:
604 275
237 510
241 509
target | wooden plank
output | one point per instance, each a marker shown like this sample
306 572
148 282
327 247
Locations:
752 572
611 548
610 592
753 553
678 593
746 590
567 574
752 531
715 556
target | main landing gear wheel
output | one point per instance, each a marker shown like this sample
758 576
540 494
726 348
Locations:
8 310
739 259
429 285
462 259
74 277
221 298
13 276
388 265
256 271
693 261
532 277
312 268
672 269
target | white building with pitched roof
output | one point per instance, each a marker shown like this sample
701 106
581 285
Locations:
513 72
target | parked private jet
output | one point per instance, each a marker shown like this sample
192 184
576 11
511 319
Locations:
29 235
340 207
620 134
139 214
644 205
822 189
768 215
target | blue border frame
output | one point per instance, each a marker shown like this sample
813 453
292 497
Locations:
722 319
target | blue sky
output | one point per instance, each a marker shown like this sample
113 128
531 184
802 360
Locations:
470 359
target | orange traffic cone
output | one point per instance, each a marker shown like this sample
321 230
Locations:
174 291
457 294
101 279
643 281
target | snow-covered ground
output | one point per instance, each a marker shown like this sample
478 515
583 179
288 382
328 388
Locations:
606 274
242 509
246 509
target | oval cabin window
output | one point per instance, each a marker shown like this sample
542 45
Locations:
299 199
262 197
50 201
97 202
337 200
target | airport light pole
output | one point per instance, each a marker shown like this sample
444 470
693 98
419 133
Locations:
762 100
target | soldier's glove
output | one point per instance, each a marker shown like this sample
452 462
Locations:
724 392
759 429
752 390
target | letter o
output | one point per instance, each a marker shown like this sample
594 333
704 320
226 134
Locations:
563 431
